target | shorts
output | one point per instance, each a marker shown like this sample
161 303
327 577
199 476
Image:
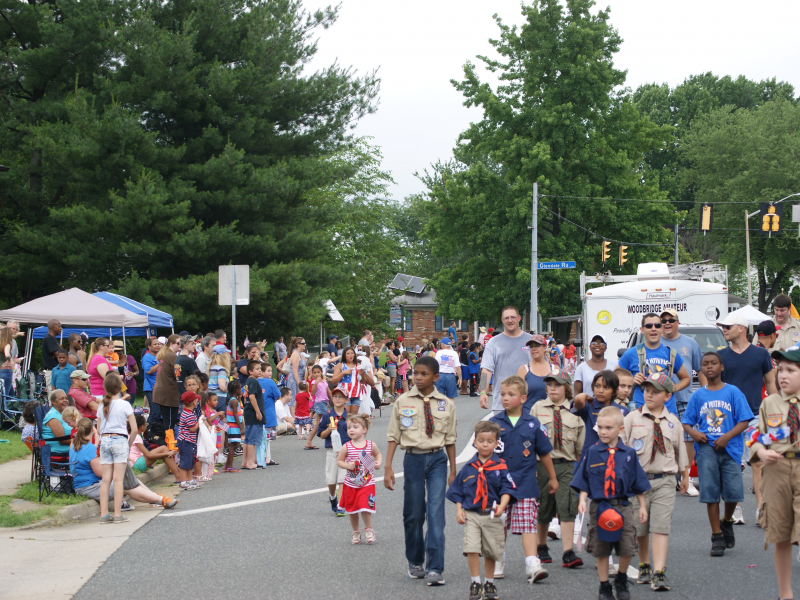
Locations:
140 464
626 545
356 500
446 384
681 409
354 402
320 408
187 452
521 516
253 434
464 373
659 501
93 491
483 536
391 370
720 476
779 516
302 421
333 474
113 449
234 436
564 502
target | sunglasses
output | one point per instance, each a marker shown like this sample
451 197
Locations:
597 344
651 325
726 327
670 321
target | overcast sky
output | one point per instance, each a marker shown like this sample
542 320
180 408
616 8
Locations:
420 45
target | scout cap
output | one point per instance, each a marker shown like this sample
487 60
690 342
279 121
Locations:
670 311
339 389
537 339
78 374
660 381
791 354
766 327
559 376
609 522
734 319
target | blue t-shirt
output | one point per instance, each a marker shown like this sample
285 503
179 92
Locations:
80 465
47 433
271 393
341 426
655 361
474 368
691 355
715 413
746 371
148 362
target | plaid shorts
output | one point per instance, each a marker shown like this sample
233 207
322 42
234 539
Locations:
521 516
682 409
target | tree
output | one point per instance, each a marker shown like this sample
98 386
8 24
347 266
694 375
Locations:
749 156
150 142
555 119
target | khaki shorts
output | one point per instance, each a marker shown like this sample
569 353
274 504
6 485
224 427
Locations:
333 474
625 546
564 502
659 501
779 516
484 536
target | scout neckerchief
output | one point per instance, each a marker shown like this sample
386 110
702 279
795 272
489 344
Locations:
610 476
481 491
426 402
793 420
658 435
558 425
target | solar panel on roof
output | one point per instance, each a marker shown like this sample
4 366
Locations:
407 283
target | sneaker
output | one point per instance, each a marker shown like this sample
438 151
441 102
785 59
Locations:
726 528
738 516
758 512
535 572
239 451
695 481
612 568
434 578
168 502
334 503
355 539
369 534
660 581
543 552
126 506
475 591
416 572
489 591
107 519
554 530
570 560
606 592
340 512
121 519
188 486
225 451
621 586
717 544
499 568
692 490
645 573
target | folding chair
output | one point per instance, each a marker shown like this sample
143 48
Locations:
42 455
10 407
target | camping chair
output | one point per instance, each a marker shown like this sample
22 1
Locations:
45 469
10 406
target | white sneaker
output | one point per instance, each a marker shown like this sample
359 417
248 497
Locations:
612 568
499 566
691 490
694 481
758 510
738 516
554 530
534 571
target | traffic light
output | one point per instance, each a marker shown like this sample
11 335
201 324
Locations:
623 255
771 218
706 218
606 250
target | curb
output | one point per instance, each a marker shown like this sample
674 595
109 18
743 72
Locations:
90 508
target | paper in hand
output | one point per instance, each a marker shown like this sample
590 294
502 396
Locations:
579 519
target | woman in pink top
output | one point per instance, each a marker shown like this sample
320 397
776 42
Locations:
98 366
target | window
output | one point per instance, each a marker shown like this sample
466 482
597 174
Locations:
437 323
463 326
408 320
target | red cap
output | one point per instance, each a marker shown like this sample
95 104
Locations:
491 329
189 397
399 338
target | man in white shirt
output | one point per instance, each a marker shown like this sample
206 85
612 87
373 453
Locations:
204 356
284 415
505 353
449 370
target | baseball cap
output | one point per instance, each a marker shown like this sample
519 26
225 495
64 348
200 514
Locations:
446 341
333 336
791 354
609 522
537 339
188 397
78 374
162 340
600 337
559 376
186 339
491 329
399 338
659 381
670 311
220 349
183 333
767 327
734 319
339 389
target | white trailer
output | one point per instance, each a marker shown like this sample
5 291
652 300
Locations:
698 292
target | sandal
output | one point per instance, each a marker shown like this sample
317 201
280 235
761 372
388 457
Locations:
310 448
231 470
272 463
369 533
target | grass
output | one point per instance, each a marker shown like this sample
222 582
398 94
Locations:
30 492
14 449
10 518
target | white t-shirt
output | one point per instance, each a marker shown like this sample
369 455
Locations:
323 362
282 411
202 362
585 374
448 360
118 414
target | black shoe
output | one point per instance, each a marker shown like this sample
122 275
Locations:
727 532
621 586
473 395
334 503
645 573
475 591
660 581
717 544
544 554
606 591
570 560
489 591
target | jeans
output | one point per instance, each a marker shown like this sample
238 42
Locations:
167 415
149 395
424 472
7 375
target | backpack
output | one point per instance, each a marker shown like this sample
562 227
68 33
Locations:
641 354
154 435
463 355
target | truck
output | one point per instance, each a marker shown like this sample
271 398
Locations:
697 291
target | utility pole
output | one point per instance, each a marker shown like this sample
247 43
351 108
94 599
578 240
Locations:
233 312
535 260
749 275
676 242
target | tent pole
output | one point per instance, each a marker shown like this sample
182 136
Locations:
28 349
125 348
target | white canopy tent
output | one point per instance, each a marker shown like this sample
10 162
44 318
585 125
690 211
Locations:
753 315
71 307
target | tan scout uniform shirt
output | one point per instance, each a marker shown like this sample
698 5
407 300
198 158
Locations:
772 415
573 431
639 435
407 423
788 335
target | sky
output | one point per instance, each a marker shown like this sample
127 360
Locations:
418 46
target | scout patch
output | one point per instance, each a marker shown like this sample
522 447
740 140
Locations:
544 428
668 445
408 412
442 403
438 426
638 444
671 426
406 421
774 421
526 453
526 443
530 425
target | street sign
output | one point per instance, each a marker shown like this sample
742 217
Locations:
563 264
395 314
226 273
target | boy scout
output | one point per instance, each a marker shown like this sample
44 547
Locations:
776 444
656 435
423 423
566 433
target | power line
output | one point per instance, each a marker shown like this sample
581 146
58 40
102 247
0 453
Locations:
606 199
597 235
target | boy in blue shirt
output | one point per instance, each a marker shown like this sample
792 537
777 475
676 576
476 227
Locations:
271 394
481 491
522 438
60 375
334 420
721 414
609 473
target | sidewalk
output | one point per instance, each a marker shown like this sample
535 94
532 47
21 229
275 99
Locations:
13 474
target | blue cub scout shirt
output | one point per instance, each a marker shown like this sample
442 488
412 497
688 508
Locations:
341 426
589 414
464 486
518 447
590 476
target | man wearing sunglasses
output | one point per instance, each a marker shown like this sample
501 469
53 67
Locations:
655 358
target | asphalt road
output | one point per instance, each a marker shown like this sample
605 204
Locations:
294 547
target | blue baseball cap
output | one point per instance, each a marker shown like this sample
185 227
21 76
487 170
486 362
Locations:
609 522
446 341
220 349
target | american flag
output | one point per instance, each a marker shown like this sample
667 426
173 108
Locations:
367 461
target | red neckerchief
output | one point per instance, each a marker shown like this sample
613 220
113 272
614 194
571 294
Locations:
481 491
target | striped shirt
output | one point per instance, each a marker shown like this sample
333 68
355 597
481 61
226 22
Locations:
188 419
350 383
365 465
230 419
